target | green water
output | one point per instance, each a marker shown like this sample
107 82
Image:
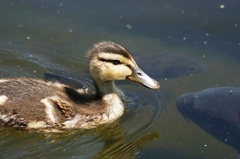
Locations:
39 36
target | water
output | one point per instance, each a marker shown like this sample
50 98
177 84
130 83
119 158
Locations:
39 36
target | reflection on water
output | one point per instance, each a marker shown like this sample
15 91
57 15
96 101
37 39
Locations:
104 143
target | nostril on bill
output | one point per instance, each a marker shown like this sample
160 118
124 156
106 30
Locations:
139 73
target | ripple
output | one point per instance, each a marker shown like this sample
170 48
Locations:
129 145
33 56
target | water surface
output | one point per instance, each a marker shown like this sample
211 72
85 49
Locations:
39 36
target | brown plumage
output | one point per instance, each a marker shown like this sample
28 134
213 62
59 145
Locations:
37 104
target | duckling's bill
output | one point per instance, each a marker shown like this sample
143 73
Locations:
142 78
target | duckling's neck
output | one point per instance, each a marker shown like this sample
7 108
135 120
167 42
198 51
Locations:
106 88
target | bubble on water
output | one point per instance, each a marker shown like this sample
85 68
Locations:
128 26
20 25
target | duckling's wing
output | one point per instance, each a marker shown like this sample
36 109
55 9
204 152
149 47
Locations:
66 109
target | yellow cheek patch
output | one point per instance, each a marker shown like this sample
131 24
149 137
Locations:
119 72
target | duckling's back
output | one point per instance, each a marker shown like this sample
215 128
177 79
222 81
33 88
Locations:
33 103
23 102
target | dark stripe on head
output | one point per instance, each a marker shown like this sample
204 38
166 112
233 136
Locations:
109 47
115 62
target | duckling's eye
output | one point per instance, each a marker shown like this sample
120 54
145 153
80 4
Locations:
116 62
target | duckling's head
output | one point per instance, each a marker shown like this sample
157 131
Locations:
110 61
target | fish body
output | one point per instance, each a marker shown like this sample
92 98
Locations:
215 110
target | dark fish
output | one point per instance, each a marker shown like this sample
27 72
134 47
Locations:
215 110
169 66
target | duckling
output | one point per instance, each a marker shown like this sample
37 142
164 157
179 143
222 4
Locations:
31 103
